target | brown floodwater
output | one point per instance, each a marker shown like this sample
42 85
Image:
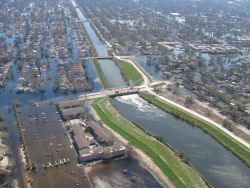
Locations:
125 173
38 136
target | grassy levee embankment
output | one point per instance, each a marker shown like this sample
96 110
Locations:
238 149
101 74
178 172
129 72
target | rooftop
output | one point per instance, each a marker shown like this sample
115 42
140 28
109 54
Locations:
81 141
72 111
101 150
68 103
99 131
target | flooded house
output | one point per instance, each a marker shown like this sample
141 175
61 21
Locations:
4 70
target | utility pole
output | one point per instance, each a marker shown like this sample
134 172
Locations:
85 106
51 150
36 105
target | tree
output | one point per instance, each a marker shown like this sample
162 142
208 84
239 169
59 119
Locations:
209 112
183 157
189 101
32 166
228 124
1 117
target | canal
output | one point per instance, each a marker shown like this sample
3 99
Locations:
110 70
219 166
216 164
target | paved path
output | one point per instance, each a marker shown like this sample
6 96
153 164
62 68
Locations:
203 118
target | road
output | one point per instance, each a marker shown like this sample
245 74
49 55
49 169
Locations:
243 142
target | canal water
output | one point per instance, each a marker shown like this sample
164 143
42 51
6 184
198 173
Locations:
216 164
110 70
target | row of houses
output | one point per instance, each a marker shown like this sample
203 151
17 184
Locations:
4 70
80 39
213 48
72 77
33 78
58 43
34 40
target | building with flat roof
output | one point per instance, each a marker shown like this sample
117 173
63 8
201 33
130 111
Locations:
80 140
68 104
70 109
102 153
100 134
72 113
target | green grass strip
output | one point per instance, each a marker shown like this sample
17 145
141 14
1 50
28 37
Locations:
178 172
100 74
238 149
129 72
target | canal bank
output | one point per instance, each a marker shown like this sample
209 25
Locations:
217 143
100 74
168 162
216 164
229 143
111 72
129 72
